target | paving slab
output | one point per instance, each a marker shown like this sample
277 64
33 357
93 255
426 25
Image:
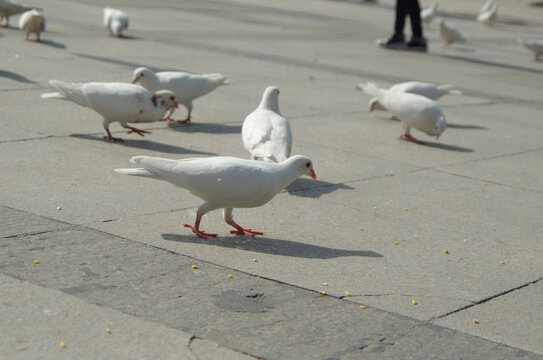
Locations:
41 319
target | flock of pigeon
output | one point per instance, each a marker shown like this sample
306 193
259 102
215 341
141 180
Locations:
487 15
226 182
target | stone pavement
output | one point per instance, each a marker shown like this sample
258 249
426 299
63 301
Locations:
112 251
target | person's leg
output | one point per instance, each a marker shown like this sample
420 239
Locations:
413 9
401 12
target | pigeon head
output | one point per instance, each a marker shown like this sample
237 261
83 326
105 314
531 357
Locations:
141 75
270 99
303 164
439 127
167 99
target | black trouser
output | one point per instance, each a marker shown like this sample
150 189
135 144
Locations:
411 8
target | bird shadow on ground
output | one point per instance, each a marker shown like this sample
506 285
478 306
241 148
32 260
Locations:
272 246
16 77
313 188
129 64
207 128
466 126
146 145
448 147
52 43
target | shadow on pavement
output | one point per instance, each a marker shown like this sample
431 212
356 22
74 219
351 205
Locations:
52 43
15 76
313 188
447 147
146 145
205 128
272 246
465 126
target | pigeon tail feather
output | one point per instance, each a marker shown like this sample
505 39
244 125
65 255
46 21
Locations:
216 78
372 89
136 172
447 89
70 91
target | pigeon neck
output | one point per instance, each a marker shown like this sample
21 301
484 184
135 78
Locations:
269 103
289 173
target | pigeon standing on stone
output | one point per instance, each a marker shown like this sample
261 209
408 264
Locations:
9 8
186 86
116 102
536 46
449 33
224 182
488 13
429 90
266 133
412 110
33 22
428 14
116 21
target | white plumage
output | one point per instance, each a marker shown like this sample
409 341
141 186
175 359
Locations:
429 90
488 12
536 46
413 110
449 33
33 22
428 14
266 133
9 8
116 21
224 182
116 102
186 86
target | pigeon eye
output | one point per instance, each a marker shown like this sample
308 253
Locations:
141 75
307 165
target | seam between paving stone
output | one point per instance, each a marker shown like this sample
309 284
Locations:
419 323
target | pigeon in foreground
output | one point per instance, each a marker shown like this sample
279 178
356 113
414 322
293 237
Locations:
185 86
488 13
429 90
449 33
32 21
121 102
224 182
266 133
412 110
428 14
116 21
534 45
9 8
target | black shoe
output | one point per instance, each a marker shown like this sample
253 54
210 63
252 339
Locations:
417 44
396 41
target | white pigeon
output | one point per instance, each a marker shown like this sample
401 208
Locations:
265 132
488 13
428 14
413 110
429 90
116 21
116 102
486 6
33 22
224 182
186 86
449 33
9 8
534 45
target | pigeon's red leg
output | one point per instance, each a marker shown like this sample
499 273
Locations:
134 130
242 231
111 138
186 121
196 228
227 215
394 117
408 137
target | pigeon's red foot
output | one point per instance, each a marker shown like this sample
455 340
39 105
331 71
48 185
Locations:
412 139
186 121
394 117
199 232
111 138
248 232
167 118
137 131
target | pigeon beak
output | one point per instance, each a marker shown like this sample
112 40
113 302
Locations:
313 175
134 80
